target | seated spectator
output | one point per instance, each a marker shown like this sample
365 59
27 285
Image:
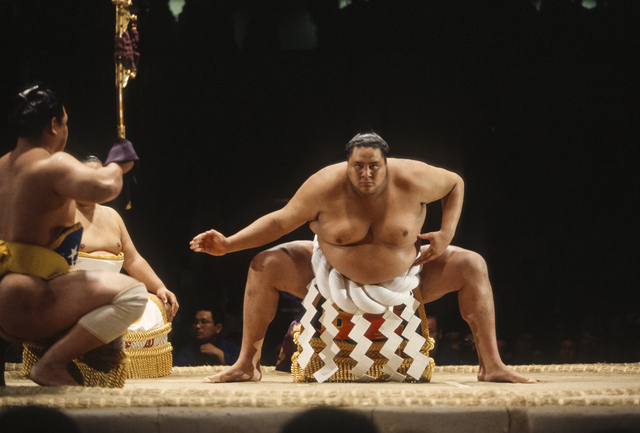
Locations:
207 348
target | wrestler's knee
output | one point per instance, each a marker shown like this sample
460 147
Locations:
282 257
112 320
472 265
286 267
266 261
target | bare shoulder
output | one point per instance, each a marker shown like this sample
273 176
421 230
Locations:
4 162
31 168
60 162
112 217
320 188
424 179
412 167
331 171
41 167
326 179
108 210
407 164
408 170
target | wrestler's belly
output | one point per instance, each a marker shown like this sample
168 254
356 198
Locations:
371 263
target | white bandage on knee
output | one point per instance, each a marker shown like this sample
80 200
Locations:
112 320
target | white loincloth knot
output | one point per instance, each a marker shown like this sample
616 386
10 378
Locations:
357 298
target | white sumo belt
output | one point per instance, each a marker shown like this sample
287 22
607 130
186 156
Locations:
358 299
99 262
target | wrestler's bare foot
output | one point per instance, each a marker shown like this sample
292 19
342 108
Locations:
236 373
51 375
503 374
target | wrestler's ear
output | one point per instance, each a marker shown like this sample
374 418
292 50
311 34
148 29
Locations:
51 128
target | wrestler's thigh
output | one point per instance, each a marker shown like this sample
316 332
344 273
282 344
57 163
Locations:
442 275
289 266
40 309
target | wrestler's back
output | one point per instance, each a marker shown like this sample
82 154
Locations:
371 241
31 211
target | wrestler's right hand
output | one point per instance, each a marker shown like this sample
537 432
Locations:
210 242
125 166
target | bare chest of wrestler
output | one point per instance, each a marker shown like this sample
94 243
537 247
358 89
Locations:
101 234
371 243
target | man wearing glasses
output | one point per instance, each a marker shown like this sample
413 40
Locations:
208 348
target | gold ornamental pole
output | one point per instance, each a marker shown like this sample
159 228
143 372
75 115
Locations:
125 65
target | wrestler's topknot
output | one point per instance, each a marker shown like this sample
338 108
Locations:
34 108
367 139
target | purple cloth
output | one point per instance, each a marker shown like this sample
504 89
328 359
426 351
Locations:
123 151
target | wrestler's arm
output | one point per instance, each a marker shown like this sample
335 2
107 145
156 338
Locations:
273 226
439 184
302 208
72 179
138 268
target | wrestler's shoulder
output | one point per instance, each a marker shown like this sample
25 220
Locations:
61 158
4 162
58 162
406 162
329 174
333 167
406 168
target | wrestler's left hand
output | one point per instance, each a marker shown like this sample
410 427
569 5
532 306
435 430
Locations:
438 242
169 301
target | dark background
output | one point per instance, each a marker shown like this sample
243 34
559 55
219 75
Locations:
238 102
